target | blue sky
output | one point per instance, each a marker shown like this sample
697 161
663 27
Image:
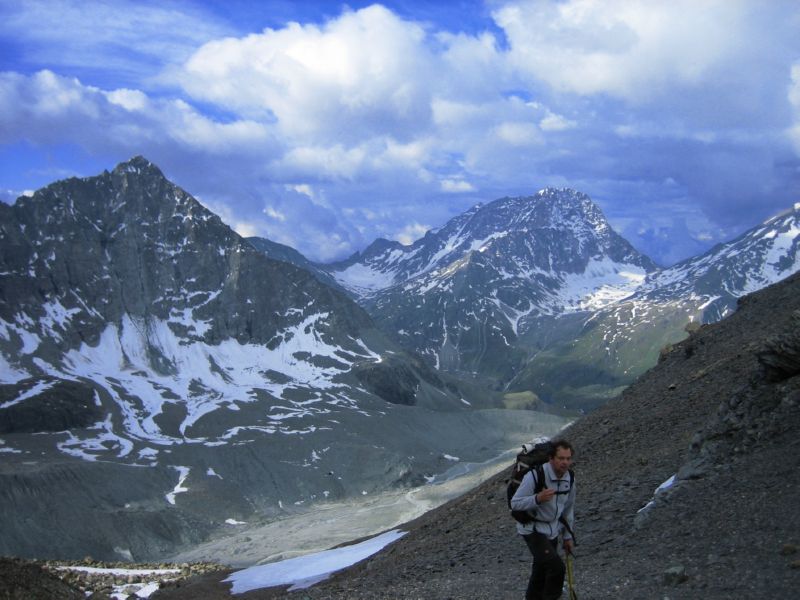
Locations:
325 125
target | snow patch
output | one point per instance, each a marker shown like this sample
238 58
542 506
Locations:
304 571
362 279
205 377
659 490
179 489
31 393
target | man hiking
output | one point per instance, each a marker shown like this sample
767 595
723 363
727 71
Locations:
550 503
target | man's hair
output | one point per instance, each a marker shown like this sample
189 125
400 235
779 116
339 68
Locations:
560 444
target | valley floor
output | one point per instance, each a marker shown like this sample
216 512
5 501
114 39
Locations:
331 524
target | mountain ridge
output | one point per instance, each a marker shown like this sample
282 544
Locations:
517 317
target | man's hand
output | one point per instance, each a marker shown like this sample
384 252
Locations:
545 495
568 546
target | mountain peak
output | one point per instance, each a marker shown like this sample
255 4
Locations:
138 165
567 197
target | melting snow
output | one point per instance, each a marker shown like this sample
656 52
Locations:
34 391
661 488
179 489
305 571
206 377
363 278
602 283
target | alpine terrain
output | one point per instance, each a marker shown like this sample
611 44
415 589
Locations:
161 378
538 298
592 356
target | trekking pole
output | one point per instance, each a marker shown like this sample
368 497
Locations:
571 579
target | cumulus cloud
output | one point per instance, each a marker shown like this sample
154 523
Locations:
363 72
631 49
47 108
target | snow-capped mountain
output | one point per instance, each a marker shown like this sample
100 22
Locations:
759 257
126 281
165 376
550 236
540 295
462 295
595 355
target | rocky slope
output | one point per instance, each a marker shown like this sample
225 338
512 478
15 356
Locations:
715 412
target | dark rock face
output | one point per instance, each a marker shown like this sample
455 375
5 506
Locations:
23 580
130 242
65 405
781 354
394 383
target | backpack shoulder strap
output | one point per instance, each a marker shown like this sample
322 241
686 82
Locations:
539 479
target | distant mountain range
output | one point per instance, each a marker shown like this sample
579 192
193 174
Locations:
160 376
539 298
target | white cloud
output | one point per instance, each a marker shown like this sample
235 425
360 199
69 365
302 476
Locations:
554 122
519 133
246 229
627 48
48 108
410 233
130 100
272 213
337 161
363 72
455 186
302 188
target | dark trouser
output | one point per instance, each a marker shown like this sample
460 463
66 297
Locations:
547 573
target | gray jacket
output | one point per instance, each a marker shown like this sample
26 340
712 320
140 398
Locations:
548 513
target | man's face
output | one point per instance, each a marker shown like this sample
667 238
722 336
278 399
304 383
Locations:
562 461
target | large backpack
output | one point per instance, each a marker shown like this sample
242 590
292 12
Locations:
532 456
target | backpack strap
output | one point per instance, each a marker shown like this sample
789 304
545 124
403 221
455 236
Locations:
539 486
562 519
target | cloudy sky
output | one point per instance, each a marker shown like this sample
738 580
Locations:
325 125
